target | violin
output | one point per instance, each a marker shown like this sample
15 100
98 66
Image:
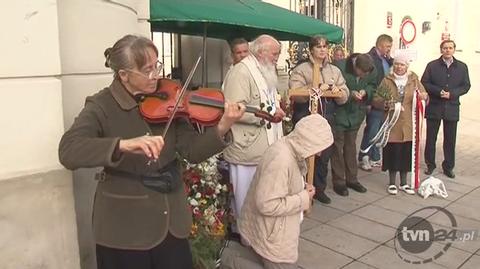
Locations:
203 106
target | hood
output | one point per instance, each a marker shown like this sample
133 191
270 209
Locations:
311 135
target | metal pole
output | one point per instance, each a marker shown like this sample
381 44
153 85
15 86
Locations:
163 52
221 66
178 55
171 55
204 68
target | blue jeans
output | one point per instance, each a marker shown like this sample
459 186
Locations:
374 122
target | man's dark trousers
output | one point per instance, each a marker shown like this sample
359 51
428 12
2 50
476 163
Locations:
449 140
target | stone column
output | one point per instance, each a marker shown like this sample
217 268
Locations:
52 58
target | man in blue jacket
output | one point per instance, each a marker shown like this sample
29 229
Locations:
445 79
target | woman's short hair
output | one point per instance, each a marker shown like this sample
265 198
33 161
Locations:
317 39
361 61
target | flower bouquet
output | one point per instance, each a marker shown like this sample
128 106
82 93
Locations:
207 191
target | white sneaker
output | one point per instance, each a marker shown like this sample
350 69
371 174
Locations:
365 165
376 163
407 189
392 189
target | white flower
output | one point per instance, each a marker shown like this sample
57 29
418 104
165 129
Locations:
198 195
193 202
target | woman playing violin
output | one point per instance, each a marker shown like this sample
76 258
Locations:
140 215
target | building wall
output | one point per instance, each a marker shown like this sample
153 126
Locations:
37 218
52 58
462 16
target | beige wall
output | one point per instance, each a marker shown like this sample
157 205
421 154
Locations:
30 91
52 58
37 219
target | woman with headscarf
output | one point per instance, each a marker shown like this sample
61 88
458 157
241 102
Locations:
399 87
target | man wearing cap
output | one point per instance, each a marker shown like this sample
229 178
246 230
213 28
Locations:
445 79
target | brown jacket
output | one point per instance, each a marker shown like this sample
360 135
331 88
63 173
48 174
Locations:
402 131
126 215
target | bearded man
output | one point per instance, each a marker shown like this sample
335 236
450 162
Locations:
253 81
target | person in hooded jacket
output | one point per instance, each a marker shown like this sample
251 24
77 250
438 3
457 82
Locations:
272 212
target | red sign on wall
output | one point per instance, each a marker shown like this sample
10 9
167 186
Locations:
408 31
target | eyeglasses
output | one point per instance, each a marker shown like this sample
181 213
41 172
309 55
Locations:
154 73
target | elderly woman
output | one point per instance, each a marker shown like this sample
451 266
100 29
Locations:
399 86
140 214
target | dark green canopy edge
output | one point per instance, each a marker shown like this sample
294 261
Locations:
228 19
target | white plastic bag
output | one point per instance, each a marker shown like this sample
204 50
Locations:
432 186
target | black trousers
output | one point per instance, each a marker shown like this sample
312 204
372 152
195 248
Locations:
449 141
172 253
321 169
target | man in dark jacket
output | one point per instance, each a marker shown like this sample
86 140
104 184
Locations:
382 61
445 80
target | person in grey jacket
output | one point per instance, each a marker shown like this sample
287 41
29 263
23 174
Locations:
445 79
140 213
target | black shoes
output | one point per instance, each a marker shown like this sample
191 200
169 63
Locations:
356 186
429 170
322 197
449 173
340 190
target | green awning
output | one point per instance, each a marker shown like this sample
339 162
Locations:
228 19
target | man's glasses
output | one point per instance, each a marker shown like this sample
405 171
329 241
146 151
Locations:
150 74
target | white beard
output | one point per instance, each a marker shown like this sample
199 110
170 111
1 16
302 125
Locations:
269 72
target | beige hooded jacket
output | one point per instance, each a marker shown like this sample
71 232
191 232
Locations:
270 218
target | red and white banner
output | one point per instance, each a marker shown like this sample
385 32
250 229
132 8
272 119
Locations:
418 111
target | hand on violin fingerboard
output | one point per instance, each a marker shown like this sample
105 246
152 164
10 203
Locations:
232 113
150 146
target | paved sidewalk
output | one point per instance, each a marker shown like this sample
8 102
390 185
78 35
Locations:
358 231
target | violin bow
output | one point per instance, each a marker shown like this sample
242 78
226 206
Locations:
180 96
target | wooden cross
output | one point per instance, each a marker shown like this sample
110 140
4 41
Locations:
323 90
314 97
314 94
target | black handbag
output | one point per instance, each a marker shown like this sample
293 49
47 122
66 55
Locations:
167 180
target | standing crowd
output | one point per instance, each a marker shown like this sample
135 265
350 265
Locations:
141 218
